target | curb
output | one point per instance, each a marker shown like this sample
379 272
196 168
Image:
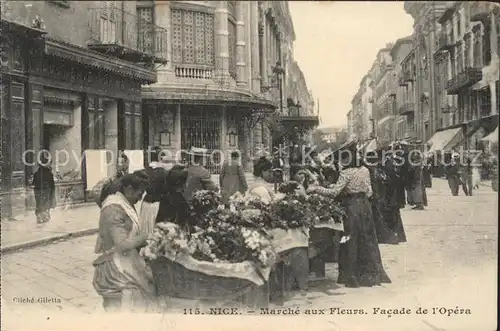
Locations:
48 240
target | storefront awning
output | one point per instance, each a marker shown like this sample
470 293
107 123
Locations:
445 140
492 137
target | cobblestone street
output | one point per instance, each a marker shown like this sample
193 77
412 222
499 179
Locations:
449 261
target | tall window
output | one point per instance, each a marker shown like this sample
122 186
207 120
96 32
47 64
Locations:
232 47
460 57
459 27
108 22
467 41
487 44
474 104
477 58
145 31
192 38
485 102
133 126
96 127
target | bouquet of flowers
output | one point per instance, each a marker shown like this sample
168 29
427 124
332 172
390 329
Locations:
325 209
167 238
290 212
231 243
204 201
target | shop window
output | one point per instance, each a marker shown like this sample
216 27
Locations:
192 37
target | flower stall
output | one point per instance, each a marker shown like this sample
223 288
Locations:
242 253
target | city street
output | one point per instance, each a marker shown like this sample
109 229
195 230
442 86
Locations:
449 262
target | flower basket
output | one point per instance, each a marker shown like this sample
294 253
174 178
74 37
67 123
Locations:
184 277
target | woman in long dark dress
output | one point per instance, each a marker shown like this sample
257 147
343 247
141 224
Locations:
380 187
391 211
360 261
44 189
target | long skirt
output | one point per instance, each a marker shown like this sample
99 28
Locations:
43 204
360 262
392 216
123 284
385 235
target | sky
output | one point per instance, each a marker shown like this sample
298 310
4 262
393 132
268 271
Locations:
336 44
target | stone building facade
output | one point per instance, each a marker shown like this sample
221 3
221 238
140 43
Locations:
228 63
71 81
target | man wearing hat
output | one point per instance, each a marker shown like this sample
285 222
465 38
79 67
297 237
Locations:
453 175
198 176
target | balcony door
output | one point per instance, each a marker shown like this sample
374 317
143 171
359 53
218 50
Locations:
108 23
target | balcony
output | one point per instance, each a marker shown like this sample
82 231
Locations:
480 10
118 33
298 120
466 78
444 44
406 109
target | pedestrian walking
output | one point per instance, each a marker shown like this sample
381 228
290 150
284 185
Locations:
360 263
453 175
466 176
427 172
278 170
198 176
392 203
44 189
232 178
416 189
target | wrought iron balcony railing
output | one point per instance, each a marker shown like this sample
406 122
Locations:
466 78
126 36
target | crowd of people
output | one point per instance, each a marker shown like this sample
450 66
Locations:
373 194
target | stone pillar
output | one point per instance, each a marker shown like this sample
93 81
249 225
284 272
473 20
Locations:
284 57
163 16
241 75
111 134
222 42
254 45
433 105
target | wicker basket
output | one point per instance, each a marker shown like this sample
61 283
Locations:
174 279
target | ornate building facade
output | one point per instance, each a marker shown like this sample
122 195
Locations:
456 50
404 106
229 65
71 81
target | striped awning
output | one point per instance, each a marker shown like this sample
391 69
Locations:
445 140
492 137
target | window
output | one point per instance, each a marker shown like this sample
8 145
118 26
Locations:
232 47
108 22
145 31
486 44
133 126
477 57
474 104
192 37
485 102
467 41
459 27
460 57
96 127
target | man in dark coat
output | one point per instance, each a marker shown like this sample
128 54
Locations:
198 176
44 189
